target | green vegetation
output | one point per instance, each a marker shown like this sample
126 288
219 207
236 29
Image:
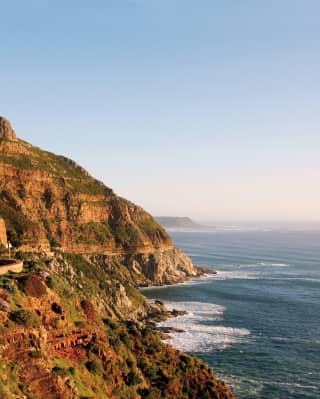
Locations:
19 161
120 359
124 232
66 193
75 178
24 317
95 367
10 386
94 233
16 222
149 226
89 270
35 354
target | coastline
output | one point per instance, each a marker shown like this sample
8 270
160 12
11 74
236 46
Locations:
259 278
203 274
161 312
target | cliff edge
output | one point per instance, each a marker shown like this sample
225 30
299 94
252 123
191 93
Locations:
50 203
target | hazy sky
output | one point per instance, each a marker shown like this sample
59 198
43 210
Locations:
203 108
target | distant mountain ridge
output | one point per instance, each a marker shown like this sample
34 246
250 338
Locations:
176 222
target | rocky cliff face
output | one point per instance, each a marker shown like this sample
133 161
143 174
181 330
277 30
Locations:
72 324
50 203
163 267
73 327
3 233
6 131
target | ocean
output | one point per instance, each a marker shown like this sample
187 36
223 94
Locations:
257 322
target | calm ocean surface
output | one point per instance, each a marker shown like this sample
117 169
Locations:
258 321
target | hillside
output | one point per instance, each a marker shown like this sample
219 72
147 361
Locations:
73 324
49 203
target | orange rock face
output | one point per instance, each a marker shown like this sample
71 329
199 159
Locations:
3 233
6 131
49 202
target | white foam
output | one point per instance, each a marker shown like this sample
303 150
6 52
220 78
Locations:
244 384
264 264
198 336
197 309
236 275
221 275
192 281
279 264
249 387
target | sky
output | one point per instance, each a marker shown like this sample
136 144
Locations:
207 108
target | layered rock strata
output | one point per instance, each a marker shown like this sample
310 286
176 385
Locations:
50 203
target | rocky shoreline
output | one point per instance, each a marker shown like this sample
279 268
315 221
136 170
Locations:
160 313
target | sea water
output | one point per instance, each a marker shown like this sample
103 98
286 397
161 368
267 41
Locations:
257 322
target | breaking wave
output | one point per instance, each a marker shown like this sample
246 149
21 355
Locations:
198 335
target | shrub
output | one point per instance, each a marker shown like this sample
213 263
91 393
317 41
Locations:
133 379
59 371
23 317
33 286
125 339
79 323
109 323
88 309
94 367
35 354
152 393
97 233
50 283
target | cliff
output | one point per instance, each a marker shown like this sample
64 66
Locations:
73 324
50 203
73 327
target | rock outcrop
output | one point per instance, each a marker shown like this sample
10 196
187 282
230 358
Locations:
163 267
6 131
3 233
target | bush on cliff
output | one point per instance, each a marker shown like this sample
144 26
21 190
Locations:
23 317
95 367
34 286
88 309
